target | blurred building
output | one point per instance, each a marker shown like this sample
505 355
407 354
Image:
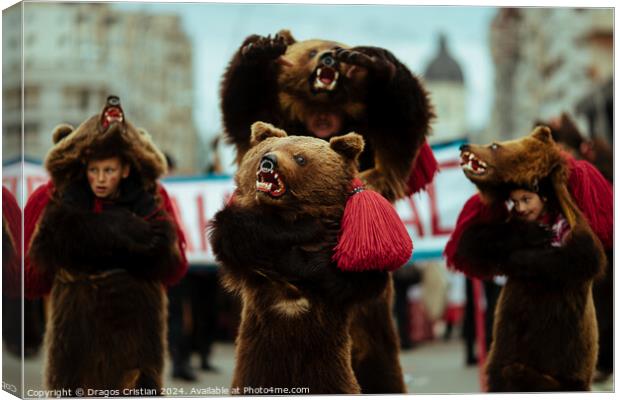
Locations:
444 81
75 54
550 60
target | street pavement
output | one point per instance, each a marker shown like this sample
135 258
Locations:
432 367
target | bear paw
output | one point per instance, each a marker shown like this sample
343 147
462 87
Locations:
261 48
372 62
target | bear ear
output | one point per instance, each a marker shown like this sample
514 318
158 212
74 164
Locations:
263 130
350 145
288 36
542 133
60 132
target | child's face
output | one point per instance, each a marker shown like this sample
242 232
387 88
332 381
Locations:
104 176
527 205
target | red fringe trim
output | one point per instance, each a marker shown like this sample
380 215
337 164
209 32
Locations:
372 235
11 271
594 196
423 170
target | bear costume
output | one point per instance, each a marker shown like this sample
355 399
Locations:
596 151
104 261
275 243
545 332
322 88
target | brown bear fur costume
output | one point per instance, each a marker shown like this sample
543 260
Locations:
545 333
105 261
322 88
566 133
275 243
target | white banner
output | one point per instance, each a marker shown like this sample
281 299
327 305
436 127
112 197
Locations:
429 216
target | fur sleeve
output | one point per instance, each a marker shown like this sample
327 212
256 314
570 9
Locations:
314 271
474 212
243 238
86 241
488 246
399 115
579 259
249 89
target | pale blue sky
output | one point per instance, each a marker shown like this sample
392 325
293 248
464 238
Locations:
410 32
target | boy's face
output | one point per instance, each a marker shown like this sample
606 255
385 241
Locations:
527 205
104 176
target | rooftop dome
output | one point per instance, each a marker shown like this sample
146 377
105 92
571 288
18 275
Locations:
443 67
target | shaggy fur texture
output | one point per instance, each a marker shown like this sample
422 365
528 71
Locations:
107 319
270 79
545 333
566 133
276 254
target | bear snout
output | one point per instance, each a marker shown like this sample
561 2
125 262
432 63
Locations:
268 163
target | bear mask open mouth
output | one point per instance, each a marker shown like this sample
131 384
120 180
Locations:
325 79
471 164
110 115
268 181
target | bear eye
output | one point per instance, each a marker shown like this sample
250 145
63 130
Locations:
312 53
494 146
300 160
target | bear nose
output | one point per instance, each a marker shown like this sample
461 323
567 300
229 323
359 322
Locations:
327 60
269 162
464 147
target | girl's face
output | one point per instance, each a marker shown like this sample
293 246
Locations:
528 206
104 176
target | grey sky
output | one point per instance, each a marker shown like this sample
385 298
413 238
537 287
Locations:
410 32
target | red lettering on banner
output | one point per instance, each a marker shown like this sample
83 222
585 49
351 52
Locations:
203 222
415 220
189 245
436 228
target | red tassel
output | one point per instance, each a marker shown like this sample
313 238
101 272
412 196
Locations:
423 169
594 196
372 235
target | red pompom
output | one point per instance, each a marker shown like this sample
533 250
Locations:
372 235
594 196
423 169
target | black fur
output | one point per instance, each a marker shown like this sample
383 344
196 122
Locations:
247 240
85 241
398 109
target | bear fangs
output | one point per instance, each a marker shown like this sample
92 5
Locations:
471 163
268 181
326 79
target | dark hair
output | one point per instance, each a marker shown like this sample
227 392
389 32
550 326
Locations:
543 188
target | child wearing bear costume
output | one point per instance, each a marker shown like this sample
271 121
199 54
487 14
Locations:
275 243
545 333
322 88
102 236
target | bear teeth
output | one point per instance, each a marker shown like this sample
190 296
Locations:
319 84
